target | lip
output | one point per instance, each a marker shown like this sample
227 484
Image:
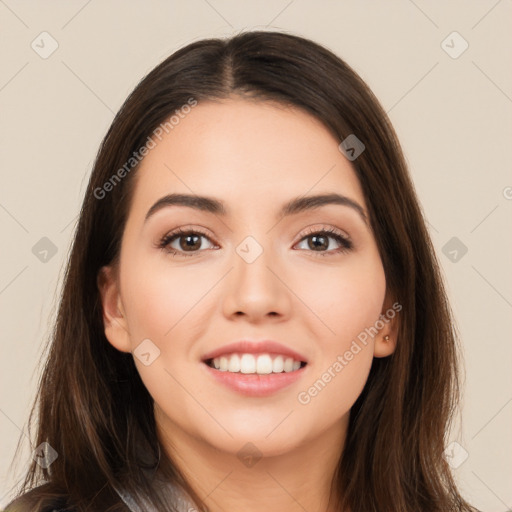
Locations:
255 385
254 347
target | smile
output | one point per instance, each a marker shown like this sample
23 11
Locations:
262 364
253 375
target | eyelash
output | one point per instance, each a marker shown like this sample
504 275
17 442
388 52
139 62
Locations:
345 243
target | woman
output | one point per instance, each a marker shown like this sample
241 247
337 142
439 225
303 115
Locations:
253 315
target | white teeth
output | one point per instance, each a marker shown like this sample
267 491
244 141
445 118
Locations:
234 363
223 364
278 364
262 364
248 363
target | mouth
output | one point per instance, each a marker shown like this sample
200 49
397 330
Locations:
255 364
255 375
251 357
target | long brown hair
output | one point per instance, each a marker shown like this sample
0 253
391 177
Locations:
92 406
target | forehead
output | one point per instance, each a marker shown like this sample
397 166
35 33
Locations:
244 151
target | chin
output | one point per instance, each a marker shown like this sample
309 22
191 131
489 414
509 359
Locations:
245 445
272 436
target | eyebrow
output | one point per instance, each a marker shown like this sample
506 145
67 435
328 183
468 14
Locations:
292 207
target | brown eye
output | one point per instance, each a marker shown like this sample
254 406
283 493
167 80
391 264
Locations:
188 242
320 241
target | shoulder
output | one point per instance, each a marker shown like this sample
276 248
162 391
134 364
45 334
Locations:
45 499
39 499
24 504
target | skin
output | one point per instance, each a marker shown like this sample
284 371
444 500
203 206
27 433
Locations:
254 156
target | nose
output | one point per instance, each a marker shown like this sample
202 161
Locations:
256 289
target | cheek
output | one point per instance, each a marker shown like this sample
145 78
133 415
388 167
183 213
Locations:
159 298
333 390
346 350
160 304
348 298
163 304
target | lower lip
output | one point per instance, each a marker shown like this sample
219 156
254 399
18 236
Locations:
255 385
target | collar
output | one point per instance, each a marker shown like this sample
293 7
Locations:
172 492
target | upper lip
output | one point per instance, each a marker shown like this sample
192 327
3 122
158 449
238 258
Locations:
254 347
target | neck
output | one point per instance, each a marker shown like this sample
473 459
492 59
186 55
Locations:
294 481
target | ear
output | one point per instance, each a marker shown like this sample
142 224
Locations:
114 319
386 339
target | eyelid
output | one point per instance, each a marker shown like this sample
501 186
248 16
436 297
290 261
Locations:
328 231
174 234
324 228
342 237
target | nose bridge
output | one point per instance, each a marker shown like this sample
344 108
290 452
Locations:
254 288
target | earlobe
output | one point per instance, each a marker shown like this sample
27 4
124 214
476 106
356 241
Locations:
114 320
384 345
386 340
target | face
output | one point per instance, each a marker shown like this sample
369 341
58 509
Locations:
194 278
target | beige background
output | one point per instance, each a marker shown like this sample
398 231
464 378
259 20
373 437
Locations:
453 116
